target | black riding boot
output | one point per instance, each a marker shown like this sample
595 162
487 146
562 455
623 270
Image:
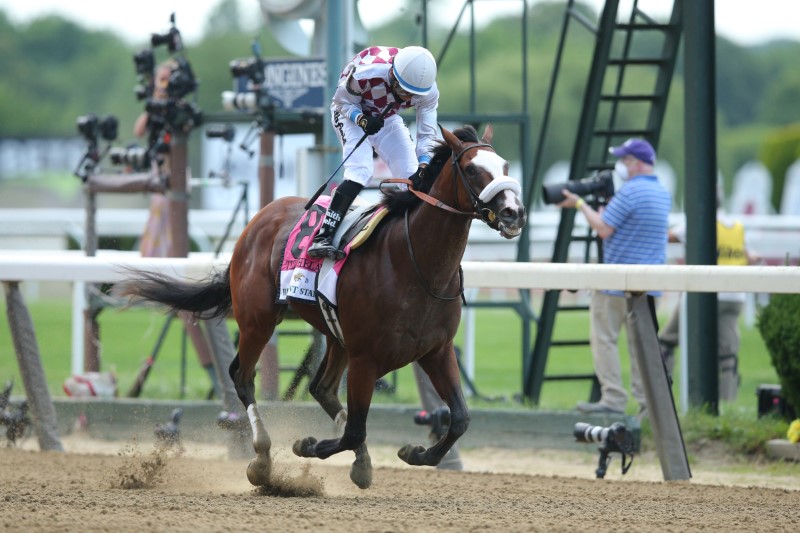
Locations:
342 198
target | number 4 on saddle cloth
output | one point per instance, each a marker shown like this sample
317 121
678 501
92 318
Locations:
310 279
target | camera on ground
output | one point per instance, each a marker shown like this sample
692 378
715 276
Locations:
601 186
438 420
616 438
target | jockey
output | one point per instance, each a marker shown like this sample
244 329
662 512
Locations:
378 83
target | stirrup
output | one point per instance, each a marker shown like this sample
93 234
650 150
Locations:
323 249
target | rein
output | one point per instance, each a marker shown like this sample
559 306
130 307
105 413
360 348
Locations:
428 198
441 205
478 212
422 279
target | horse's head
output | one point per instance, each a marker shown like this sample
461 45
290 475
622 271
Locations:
482 182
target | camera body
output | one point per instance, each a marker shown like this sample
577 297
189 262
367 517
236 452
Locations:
92 128
173 114
181 79
251 69
171 38
601 186
225 132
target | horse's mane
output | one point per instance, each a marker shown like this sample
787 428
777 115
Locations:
399 201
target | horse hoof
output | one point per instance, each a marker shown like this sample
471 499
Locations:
259 470
305 447
411 454
361 472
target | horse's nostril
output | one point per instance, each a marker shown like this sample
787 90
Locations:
510 214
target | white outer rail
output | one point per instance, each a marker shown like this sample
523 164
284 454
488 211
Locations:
111 267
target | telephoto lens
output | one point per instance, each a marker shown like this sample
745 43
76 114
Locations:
134 156
232 101
588 433
601 186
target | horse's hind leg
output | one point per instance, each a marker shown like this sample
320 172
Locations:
253 336
324 387
442 368
360 385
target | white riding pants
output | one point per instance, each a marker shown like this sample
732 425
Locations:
392 143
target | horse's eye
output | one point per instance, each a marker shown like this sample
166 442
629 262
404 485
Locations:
472 171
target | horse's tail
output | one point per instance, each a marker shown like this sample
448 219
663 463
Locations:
205 299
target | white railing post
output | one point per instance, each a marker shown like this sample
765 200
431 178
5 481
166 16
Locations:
78 305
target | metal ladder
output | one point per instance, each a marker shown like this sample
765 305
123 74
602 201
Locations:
599 128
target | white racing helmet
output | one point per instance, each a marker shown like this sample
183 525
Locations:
415 70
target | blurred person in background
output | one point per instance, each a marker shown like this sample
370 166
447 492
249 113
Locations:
732 250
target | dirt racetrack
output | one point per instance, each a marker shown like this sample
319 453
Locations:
100 486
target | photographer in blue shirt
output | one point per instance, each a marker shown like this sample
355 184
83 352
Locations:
633 227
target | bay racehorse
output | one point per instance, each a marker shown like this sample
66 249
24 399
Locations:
399 297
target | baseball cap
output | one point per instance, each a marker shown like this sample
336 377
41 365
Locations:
638 148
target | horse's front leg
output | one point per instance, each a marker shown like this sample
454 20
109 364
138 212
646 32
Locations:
360 386
442 368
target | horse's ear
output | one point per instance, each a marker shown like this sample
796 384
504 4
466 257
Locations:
488 133
452 141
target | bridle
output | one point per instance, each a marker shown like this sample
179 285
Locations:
480 209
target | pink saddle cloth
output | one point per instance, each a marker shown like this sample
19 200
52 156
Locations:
303 277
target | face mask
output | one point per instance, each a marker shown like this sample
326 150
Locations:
621 170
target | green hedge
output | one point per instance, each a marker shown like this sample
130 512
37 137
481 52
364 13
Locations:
779 324
779 151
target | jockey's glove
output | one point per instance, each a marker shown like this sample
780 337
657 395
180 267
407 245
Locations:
417 177
370 125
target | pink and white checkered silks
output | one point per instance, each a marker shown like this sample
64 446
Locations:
364 88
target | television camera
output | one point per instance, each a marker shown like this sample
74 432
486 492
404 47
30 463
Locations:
613 439
600 186
14 417
92 129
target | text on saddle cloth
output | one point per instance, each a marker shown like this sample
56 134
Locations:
302 276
